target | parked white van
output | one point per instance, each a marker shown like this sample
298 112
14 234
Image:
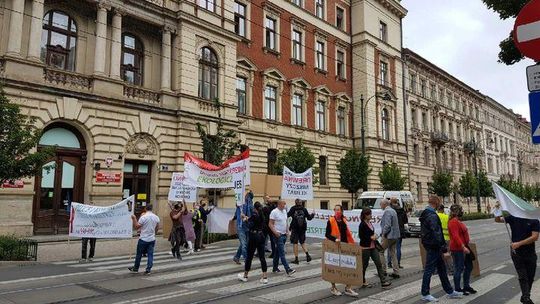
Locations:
372 199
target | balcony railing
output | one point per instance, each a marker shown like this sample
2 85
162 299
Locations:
440 138
68 79
156 2
140 94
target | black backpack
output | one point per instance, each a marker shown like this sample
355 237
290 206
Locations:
300 218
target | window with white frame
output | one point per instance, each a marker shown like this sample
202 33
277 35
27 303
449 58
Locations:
340 18
385 127
341 121
241 94
383 73
297 45
319 8
340 64
319 64
270 103
383 31
298 3
240 18
297 104
320 121
207 4
271 33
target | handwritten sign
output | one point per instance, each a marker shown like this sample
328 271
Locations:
342 263
108 177
102 222
239 170
179 191
297 185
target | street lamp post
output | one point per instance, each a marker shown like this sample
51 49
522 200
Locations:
363 105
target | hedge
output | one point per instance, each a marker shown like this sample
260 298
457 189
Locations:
15 249
476 216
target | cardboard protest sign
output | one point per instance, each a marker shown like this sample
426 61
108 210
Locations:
297 185
342 263
102 222
476 265
179 191
238 171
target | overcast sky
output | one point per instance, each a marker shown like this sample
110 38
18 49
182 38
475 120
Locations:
462 37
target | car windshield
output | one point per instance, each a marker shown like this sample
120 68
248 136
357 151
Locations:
369 202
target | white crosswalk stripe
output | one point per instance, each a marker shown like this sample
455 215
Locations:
484 285
159 297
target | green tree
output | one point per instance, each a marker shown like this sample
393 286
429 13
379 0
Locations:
509 54
221 146
467 185
353 171
486 190
298 159
18 138
528 193
441 184
390 177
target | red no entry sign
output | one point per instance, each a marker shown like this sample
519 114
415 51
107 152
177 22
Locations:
527 30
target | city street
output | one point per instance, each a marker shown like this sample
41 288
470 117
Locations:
210 276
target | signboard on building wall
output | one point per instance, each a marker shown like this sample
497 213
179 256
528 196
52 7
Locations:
13 184
108 177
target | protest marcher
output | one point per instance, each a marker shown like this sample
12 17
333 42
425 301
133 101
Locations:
241 227
204 215
197 226
402 220
149 225
255 223
278 226
461 253
267 209
433 241
444 224
90 257
390 235
338 231
523 252
368 241
298 227
177 235
187 223
496 209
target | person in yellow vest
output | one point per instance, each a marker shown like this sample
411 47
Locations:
444 223
338 231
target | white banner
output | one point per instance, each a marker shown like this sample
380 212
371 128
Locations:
238 170
221 179
102 222
218 221
179 191
514 205
297 185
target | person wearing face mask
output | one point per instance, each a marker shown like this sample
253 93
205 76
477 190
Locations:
176 237
338 231
368 237
461 253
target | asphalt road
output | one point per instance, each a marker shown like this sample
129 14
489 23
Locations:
210 277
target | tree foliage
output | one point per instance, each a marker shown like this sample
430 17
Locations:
467 185
509 54
486 190
442 183
353 171
390 178
18 137
221 146
298 159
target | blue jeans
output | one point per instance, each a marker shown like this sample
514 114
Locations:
398 250
243 237
280 248
148 248
434 260
462 266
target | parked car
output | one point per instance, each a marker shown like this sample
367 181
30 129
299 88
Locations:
372 199
412 229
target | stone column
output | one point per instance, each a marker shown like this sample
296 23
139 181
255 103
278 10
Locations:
15 28
36 27
116 44
101 38
166 59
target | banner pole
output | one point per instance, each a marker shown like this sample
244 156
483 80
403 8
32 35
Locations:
509 236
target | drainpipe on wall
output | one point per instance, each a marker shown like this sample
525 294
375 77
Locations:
405 98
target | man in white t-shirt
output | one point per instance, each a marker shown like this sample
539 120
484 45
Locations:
149 224
279 228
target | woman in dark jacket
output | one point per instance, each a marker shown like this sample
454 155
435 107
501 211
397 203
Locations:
367 236
256 241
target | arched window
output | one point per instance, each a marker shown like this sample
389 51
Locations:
385 118
59 40
208 74
132 59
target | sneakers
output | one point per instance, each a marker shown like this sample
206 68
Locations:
276 270
290 272
351 292
308 257
394 275
82 261
147 272
386 284
242 278
465 293
133 270
335 292
90 260
295 261
237 261
470 290
429 298
264 281
190 252
455 295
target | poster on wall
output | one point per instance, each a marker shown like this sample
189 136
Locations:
297 185
178 191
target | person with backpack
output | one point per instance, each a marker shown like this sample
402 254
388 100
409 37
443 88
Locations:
298 227
255 224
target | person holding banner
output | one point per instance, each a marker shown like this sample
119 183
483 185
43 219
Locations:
368 242
187 223
338 231
149 225
241 227
90 257
299 215
255 224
